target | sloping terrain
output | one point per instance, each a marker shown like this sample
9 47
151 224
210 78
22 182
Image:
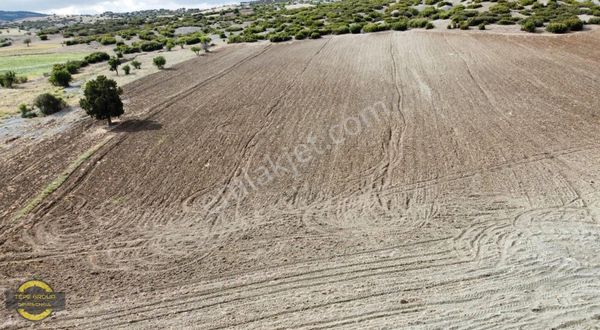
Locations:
420 179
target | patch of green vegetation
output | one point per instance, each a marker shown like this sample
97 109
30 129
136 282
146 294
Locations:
35 64
277 22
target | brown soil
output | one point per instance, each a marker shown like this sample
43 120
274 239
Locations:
463 192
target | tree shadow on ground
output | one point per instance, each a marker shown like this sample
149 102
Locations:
137 125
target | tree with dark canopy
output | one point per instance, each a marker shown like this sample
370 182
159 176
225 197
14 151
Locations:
102 99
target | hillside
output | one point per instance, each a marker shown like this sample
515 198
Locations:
9 16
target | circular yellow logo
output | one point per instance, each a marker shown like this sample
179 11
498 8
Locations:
35 300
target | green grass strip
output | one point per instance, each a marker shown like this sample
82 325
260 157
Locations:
59 180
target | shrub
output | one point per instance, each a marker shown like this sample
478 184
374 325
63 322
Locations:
233 39
343 29
130 49
160 62
528 26
400 25
371 27
481 26
102 99
8 79
574 24
499 8
60 77
418 22
73 66
315 35
430 26
136 64
196 50
506 21
170 45
302 34
192 40
594 20
126 69
108 40
464 25
355 28
4 42
279 37
556 27
150 46
26 112
97 57
43 37
49 104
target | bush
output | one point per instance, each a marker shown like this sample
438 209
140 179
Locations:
528 26
372 27
430 26
60 77
136 64
108 40
43 37
418 22
574 24
464 25
8 79
196 50
279 37
315 35
594 20
73 66
556 27
506 21
355 28
302 34
400 25
150 46
159 61
130 49
343 29
26 112
170 45
49 104
97 57
126 69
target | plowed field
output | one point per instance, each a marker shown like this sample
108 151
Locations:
418 179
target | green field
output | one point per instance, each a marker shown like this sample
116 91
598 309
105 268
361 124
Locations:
35 64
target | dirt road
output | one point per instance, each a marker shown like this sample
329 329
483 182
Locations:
423 180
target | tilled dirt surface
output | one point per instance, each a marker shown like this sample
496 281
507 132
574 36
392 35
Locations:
423 180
